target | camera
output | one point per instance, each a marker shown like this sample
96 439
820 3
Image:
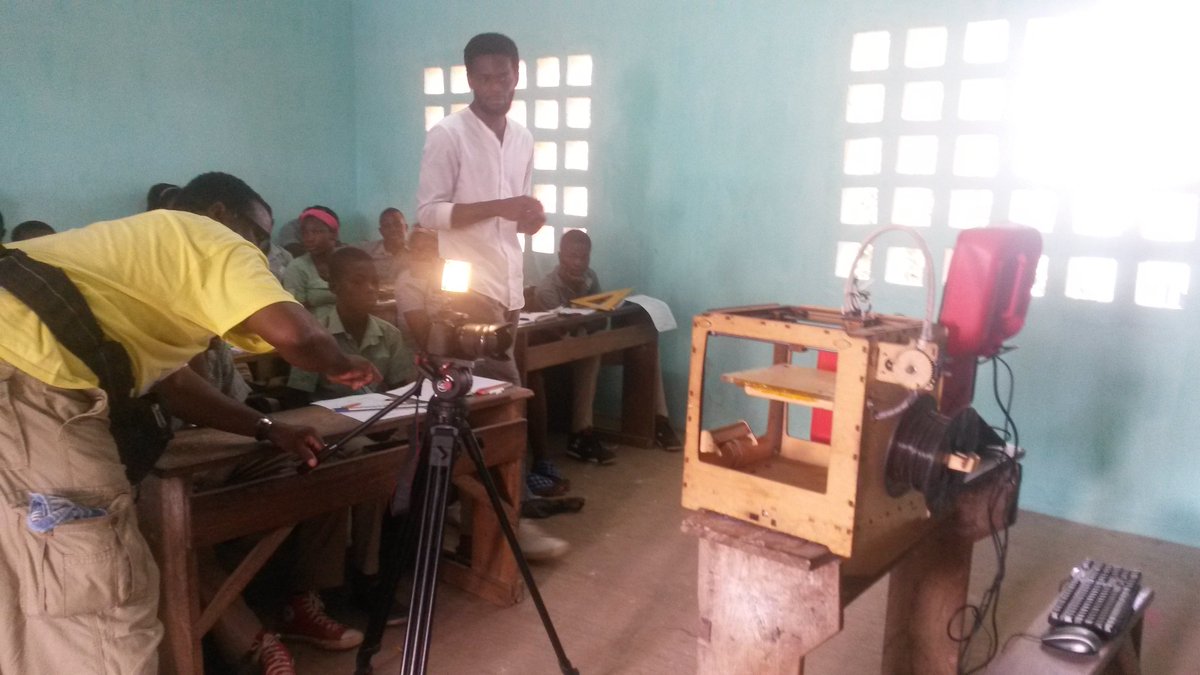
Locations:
452 337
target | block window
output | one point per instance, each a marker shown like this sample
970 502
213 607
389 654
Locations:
545 156
575 201
579 113
904 266
922 101
545 114
522 75
917 155
925 47
548 196
579 70
970 208
977 155
519 113
986 42
458 80
1170 217
1039 278
913 206
542 241
1102 214
846 250
860 206
1092 279
1161 285
1036 208
864 103
433 115
435 81
576 155
864 156
869 51
981 99
547 72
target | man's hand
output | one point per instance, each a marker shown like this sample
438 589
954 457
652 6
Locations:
360 373
303 442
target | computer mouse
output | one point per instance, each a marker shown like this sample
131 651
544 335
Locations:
1075 639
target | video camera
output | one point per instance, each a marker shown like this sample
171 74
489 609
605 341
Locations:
452 337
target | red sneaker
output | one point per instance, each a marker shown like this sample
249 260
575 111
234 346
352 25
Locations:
271 656
304 619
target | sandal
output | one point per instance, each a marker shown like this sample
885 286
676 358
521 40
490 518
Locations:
544 508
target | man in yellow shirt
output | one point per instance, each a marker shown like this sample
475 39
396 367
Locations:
83 595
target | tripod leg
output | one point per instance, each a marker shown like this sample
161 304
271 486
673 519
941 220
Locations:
442 446
485 477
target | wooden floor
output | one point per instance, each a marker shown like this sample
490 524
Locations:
624 598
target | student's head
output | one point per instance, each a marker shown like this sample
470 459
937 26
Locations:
574 255
31 229
423 244
319 227
161 196
354 280
492 63
229 201
392 226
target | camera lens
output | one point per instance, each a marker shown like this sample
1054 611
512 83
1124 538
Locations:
485 340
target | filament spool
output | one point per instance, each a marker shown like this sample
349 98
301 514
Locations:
921 444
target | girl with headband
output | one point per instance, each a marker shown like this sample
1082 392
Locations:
307 277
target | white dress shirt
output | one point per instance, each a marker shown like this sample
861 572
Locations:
464 163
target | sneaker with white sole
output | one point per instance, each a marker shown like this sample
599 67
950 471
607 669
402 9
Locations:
537 544
304 619
271 656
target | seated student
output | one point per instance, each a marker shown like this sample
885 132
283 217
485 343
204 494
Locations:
573 278
355 287
391 252
307 276
161 196
31 229
418 286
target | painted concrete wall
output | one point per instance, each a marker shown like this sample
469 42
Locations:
101 100
715 178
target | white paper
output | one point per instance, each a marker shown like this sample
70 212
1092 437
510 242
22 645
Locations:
659 311
575 311
363 407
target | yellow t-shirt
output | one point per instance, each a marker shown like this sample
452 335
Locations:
161 283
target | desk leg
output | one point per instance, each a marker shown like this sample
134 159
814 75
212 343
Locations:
639 376
925 589
164 511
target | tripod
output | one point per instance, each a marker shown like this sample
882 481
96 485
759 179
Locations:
448 433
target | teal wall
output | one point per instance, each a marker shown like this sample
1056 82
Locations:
715 171
715 175
100 100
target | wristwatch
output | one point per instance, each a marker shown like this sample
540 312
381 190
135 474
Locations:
262 428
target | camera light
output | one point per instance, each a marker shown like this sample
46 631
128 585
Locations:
456 276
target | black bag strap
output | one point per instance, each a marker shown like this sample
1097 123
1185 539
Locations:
47 291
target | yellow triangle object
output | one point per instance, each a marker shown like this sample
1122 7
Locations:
606 301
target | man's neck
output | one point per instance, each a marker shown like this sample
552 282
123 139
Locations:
355 324
394 247
497 123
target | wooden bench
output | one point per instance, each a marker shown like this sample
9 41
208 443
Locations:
177 518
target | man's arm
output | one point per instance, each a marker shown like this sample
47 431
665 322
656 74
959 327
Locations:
193 399
302 342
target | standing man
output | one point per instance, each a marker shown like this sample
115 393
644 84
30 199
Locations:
476 177
78 586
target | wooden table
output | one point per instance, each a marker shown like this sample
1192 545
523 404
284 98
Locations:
626 331
767 599
177 519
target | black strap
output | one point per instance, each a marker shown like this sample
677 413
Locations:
58 303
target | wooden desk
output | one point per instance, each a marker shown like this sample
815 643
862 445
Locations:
177 519
627 331
767 599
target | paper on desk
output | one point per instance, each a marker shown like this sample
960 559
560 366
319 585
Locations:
362 407
575 311
659 311
530 317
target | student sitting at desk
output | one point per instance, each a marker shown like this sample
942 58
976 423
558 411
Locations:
418 286
307 276
355 287
574 278
390 253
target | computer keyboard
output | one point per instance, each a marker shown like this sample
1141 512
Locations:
1099 596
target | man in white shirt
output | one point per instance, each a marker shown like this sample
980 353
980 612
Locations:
476 176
